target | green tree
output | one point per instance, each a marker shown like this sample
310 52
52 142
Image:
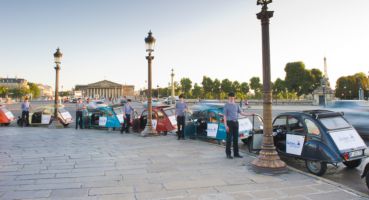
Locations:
207 86
244 89
347 87
226 86
301 80
19 92
256 86
216 88
3 91
278 87
186 85
34 90
197 91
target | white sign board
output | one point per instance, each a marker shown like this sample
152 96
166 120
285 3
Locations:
173 120
9 115
212 130
120 118
347 139
102 121
66 115
244 125
294 144
45 119
154 123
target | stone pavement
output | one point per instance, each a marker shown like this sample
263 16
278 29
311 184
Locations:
39 163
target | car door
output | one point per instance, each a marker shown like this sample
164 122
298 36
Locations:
279 132
295 137
313 138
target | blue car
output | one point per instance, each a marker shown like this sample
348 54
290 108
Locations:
104 117
319 137
207 121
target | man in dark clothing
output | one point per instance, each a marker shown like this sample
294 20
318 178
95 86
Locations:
231 111
127 113
181 108
79 113
25 112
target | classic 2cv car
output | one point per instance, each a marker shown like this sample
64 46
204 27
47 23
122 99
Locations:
163 120
319 137
6 117
44 115
207 121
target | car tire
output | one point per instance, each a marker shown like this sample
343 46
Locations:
165 133
353 163
316 167
367 180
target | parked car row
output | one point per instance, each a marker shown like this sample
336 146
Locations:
319 137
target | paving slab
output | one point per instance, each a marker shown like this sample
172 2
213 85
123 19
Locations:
41 163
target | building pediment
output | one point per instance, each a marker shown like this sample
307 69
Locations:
104 84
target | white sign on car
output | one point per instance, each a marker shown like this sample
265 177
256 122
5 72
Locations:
294 144
347 139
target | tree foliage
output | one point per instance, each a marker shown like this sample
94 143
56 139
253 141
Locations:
186 85
347 87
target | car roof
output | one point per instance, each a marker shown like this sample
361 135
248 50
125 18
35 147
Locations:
319 113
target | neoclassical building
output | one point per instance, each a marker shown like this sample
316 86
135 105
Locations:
106 89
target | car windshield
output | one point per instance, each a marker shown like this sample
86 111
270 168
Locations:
118 110
169 112
333 123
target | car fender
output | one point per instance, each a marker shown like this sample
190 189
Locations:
316 150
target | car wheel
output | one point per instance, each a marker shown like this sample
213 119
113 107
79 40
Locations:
165 132
6 124
352 163
65 125
316 167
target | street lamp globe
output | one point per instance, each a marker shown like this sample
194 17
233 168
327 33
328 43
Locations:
58 56
150 42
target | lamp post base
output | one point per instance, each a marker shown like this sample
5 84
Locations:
149 131
269 162
55 124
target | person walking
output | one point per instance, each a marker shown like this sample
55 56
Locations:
181 108
25 112
231 111
127 113
80 106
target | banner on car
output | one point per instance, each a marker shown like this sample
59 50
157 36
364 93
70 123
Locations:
294 144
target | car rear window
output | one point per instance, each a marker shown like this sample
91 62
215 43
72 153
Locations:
333 123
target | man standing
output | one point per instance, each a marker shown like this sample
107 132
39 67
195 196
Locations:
181 108
231 111
127 113
79 113
25 112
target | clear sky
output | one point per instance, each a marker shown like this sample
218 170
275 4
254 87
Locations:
104 39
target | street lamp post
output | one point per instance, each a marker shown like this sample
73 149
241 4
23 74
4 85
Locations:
173 98
150 43
268 159
323 83
344 87
158 90
57 59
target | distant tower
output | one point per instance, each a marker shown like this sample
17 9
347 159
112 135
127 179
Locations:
325 75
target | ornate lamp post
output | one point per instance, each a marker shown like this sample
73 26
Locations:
150 43
323 83
268 159
57 59
158 90
173 98
344 87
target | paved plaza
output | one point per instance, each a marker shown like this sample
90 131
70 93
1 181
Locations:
40 163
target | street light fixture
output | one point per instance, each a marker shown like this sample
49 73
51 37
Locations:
268 159
150 44
57 59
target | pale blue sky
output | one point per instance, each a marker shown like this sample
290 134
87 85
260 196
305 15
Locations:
217 38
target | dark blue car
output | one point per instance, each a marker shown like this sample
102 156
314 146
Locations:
319 137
